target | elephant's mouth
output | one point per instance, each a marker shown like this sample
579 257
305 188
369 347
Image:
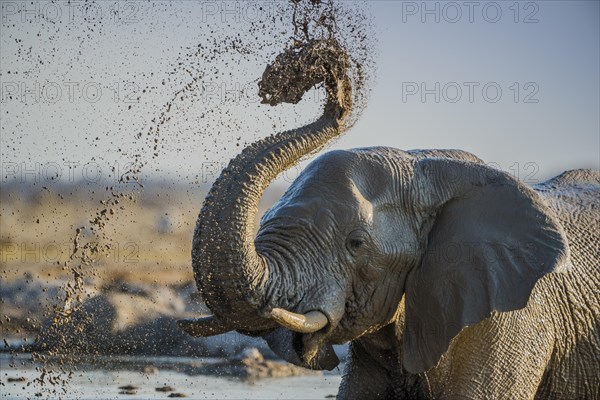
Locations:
302 339
308 349
305 350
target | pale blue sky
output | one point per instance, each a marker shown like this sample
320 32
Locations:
550 125
559 54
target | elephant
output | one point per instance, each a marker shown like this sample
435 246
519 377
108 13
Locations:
449 278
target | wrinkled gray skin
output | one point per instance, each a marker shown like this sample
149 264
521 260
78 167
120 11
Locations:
450 279
550 349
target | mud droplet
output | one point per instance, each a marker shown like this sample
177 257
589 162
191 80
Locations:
165 389
129 387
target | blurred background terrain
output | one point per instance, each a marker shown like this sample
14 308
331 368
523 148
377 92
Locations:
139 286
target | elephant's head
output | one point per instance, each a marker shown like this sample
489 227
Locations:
356 232
360 229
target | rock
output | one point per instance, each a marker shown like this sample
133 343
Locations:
169 221
177 395
149 369
250 365
250 355
25 303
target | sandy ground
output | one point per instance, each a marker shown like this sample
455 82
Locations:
90 383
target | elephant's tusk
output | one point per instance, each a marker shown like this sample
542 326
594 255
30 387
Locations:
310 322
205 326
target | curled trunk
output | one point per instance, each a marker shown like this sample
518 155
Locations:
230 273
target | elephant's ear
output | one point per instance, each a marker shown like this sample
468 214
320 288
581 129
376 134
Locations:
491 239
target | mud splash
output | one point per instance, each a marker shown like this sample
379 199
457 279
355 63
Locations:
298 21
351 26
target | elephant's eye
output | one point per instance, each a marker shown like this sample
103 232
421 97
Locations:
356 240
355 243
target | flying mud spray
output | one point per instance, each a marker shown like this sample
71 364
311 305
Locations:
345 32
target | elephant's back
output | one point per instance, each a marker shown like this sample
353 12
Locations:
574 178
574 197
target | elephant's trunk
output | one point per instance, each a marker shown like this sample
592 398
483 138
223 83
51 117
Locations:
231 274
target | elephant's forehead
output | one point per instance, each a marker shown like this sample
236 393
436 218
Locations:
330 170
317 202
345 183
